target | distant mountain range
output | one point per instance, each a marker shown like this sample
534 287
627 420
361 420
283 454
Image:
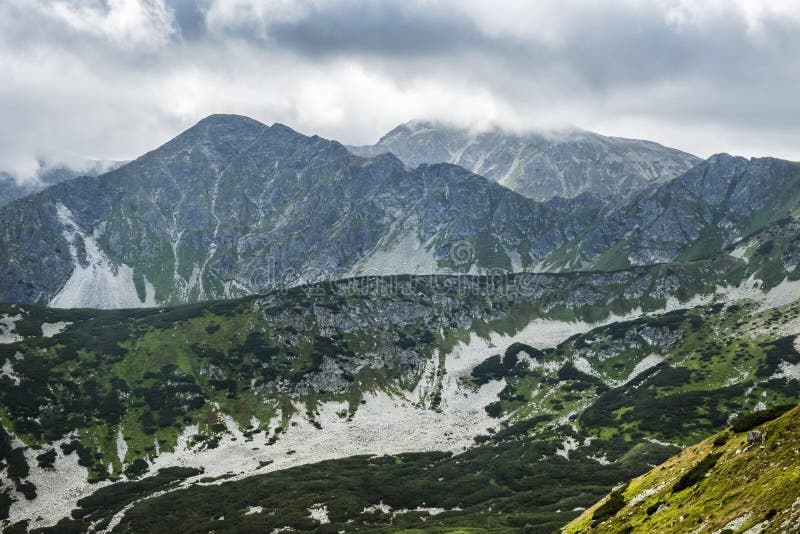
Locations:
708 208
47 175
541 165
233 207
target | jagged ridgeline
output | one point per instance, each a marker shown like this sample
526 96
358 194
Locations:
493 399
232 207
540 165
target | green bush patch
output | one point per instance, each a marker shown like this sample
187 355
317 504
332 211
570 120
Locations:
696 473
614 503
750 421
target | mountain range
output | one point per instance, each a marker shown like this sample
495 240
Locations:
249 329
222 211
472 393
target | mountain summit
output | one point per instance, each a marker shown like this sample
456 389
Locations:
539 165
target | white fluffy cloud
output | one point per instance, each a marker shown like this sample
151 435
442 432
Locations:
224 14
115 78
128 23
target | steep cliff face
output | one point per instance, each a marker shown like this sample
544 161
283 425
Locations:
539 165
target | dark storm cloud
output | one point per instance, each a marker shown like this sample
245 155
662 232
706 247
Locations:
375 28
190 17
604 47
113 78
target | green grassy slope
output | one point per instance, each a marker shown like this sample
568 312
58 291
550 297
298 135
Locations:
675 377
151 373
723 484
518 477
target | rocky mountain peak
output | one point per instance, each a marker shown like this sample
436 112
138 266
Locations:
540 165
217 120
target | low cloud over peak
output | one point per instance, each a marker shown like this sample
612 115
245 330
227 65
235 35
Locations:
111 79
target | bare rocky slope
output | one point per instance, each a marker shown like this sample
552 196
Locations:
713 206
233 207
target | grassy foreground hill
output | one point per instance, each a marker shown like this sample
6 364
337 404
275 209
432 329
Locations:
745 479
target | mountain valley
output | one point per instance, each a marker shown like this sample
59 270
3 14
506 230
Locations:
427 351
399 267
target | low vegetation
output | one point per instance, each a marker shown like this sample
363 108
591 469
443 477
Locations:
573 421
506 485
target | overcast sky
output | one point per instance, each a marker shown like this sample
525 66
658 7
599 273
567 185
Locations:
111 79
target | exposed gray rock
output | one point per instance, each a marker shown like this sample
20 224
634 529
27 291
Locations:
754 436
233 207
699 213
